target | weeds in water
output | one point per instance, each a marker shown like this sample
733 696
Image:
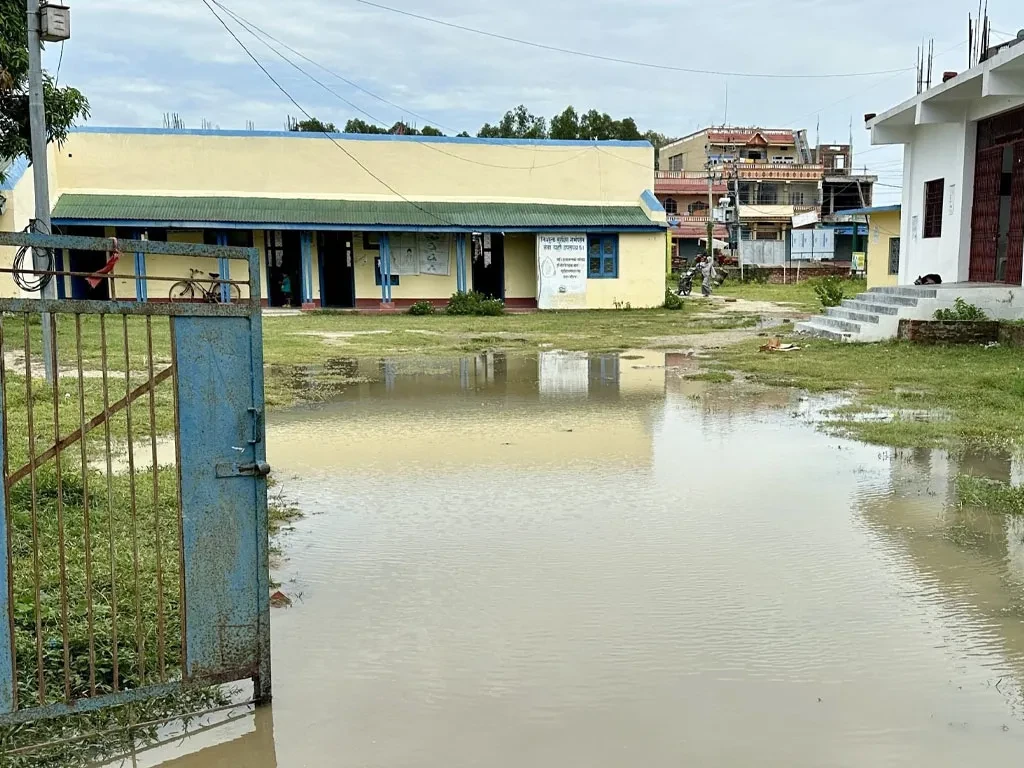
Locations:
991 495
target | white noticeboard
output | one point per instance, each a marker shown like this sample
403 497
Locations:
420 253
561 271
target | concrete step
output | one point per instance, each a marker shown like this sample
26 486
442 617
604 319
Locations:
868 306
913 291
888 298
813 328
837 322
849 314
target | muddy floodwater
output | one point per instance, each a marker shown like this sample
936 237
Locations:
562 560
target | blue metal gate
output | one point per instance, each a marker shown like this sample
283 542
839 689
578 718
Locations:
133 518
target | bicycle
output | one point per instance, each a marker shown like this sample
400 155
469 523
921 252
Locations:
190 289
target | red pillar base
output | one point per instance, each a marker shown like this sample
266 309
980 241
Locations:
388 306
315 304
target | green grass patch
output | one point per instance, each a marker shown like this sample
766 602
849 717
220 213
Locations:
977 392
714 377
990 495
800 296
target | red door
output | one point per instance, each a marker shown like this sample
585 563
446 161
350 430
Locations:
1015 252
985 215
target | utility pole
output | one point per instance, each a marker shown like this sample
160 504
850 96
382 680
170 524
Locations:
711 212
37 120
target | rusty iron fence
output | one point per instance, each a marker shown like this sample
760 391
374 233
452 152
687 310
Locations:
133 518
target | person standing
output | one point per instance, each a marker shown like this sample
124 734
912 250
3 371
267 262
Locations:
707 269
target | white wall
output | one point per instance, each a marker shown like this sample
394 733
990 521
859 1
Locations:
945 151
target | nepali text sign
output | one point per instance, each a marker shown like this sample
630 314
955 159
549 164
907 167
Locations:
561 271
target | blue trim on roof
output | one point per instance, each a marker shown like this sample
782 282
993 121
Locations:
14 172
653 227
652 202
354 137
867 211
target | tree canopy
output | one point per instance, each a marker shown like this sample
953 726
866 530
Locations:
64 104
311 125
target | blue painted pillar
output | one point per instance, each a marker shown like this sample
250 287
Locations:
141 291
307 270
385 269
224 269
460 262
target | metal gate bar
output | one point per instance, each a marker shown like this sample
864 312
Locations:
149 675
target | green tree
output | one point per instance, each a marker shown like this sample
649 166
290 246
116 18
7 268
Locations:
64 105
429 130
518 123
565 126
355 125
311 125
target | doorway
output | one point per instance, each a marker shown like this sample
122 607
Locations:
337 270
489 264
87 261
284 268
997 217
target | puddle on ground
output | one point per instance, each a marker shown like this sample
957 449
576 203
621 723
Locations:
564 560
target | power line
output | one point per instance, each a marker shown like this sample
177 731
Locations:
615 60
302 109
245 22
245 25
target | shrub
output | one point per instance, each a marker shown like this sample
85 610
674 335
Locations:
421 308
474 303
961 312
830 291
491 307
463 303
673 301
755 274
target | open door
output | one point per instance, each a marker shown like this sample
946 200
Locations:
337 270
489 264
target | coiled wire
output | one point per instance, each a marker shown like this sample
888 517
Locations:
30 280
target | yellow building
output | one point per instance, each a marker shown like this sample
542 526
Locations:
883 252
548 224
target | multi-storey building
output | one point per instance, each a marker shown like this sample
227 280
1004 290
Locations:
776 179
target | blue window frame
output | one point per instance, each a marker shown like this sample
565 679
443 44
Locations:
603 256
376 273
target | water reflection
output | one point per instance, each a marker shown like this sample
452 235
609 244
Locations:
590 560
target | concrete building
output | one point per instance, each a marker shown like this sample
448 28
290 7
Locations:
883 250
963 199
363 221
777 179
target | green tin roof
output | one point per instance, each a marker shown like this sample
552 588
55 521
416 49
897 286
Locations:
383 214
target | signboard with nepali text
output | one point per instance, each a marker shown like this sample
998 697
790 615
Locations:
561 271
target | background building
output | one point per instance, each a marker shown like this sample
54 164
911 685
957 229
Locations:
365 221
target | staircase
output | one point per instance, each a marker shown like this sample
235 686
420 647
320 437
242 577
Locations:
875 315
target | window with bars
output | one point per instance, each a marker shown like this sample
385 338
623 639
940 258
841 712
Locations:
671 206
894 255
603 257
933 208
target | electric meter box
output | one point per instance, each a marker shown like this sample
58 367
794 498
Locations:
54 23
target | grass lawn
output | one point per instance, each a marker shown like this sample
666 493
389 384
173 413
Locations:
800 296
939 396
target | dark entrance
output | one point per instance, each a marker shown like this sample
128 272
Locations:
87 261
997 216
284 268
489 264
337 270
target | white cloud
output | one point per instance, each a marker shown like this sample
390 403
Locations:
137 61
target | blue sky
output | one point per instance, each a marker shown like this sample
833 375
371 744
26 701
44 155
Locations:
138 60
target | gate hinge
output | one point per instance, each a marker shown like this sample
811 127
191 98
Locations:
235 469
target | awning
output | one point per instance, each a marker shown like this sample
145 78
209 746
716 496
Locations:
366 215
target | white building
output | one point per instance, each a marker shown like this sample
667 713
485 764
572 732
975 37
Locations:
963 173
963 201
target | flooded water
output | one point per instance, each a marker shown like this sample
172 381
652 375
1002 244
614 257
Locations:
572 561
